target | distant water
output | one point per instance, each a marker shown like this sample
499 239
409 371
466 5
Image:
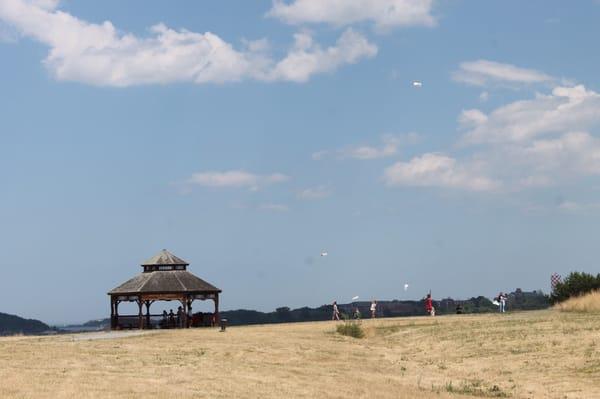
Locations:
73 329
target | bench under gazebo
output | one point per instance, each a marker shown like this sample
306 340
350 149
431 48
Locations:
165 278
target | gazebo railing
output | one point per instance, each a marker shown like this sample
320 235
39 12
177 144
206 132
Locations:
159 321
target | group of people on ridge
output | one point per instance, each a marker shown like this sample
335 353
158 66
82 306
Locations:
500 300
356 314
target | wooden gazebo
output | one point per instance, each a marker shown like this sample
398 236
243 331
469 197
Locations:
165 278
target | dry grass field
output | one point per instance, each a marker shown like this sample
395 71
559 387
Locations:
546 354
589 303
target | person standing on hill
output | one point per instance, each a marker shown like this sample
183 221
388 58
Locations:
336 312
502 300
429 305
373 309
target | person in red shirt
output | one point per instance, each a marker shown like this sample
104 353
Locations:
429 305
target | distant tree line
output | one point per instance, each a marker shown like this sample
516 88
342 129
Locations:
517 300
575 284
11 325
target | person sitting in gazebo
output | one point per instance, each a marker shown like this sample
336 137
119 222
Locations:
165 319
179 317
171 318
190 315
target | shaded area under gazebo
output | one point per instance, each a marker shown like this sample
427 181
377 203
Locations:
165 278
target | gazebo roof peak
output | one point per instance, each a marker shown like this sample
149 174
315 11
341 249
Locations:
164 258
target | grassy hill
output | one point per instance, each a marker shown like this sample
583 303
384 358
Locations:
588 303
537 354
10 324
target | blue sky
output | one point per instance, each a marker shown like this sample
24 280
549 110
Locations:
247 137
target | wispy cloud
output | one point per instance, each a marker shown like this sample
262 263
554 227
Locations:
235 179
573 206
523 145
274 207
315 193
566 109
438 170
491 73
101 54
571 154
389 147
385 14
307 58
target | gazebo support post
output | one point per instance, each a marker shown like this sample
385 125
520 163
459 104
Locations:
217 317
112 313
148 303
141 319
116 314
183 321
189 309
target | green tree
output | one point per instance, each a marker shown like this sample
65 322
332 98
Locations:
575 284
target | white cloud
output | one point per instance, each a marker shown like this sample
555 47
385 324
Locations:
389 147
486 73
315 193
385 14
472 118
44 4
235 179
100 54
527 144
573 153
437 170
274 207
307 58
573 206
318 155
566 109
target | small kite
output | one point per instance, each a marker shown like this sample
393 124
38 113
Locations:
354 298
417 83
324 253
405 287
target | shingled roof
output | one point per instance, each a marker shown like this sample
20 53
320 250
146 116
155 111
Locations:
154 280
172 281
164 258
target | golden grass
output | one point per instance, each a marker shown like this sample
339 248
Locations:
588 303
544 354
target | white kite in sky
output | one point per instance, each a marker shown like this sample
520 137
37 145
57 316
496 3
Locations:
405 287
324 253
417 83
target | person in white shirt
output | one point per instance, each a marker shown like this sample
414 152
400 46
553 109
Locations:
336 312
373 309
